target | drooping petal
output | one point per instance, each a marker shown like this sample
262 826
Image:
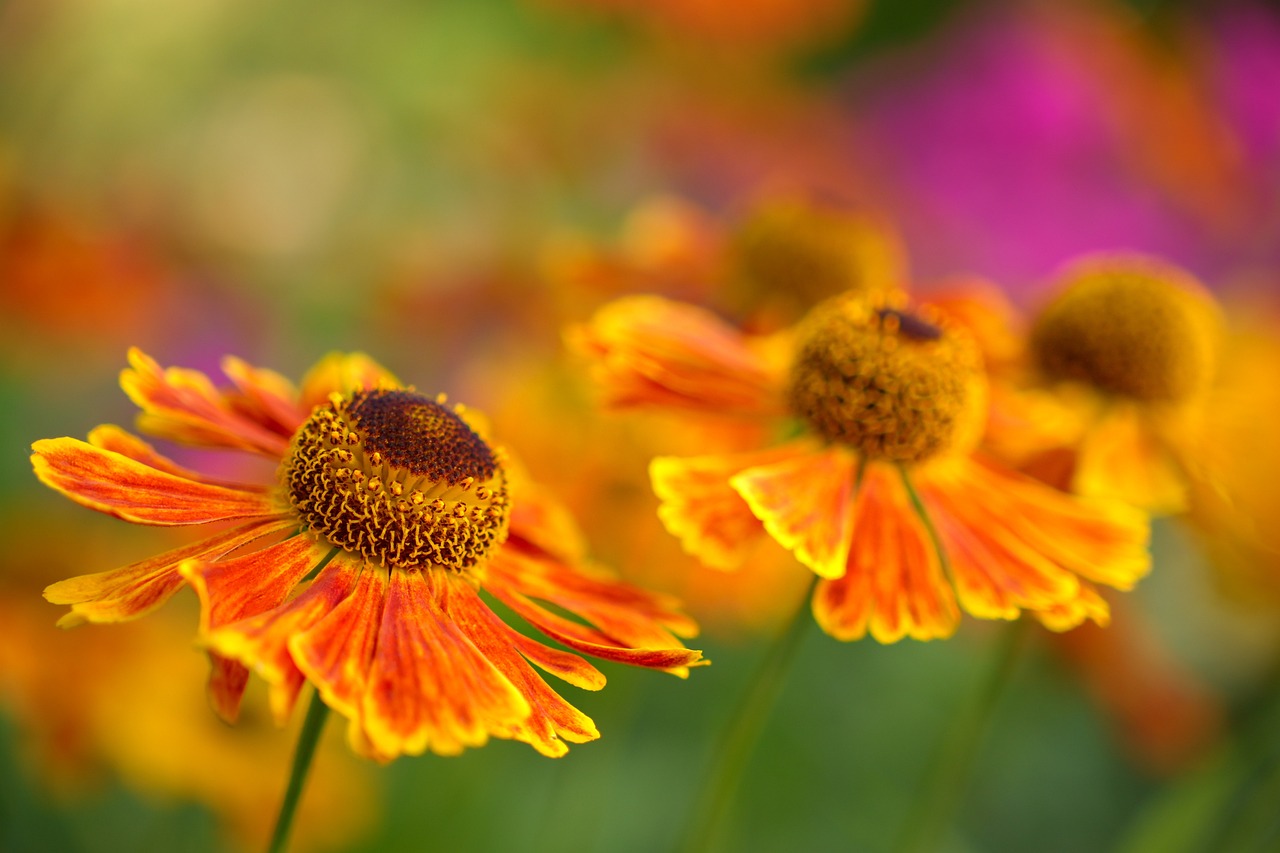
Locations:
1014 543
335 652
512 578
227 680
705 513
627 614
113 483
429 687
894 586
647 351
552 720
246 585
265 396
1122 457
806 504
342 373
127 593
262 641
183 405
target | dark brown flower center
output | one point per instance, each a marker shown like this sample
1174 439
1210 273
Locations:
398 478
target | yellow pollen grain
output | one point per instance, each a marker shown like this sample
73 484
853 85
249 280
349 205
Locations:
382 473
890 384
1131 326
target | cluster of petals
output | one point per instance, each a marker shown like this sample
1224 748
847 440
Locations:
900 549
415 659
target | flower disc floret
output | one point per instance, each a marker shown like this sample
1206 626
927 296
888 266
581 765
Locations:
398 478
893 385
1133 327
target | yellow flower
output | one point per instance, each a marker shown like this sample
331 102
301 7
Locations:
881 492
359 567
1122 362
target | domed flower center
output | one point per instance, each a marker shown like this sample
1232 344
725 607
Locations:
398 478
888 383
814 252
1128 326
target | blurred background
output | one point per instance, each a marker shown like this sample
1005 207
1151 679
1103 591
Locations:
446 185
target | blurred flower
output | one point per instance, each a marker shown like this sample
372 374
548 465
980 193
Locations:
402 513
1121 363
888 406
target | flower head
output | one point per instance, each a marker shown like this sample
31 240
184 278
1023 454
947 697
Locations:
1122 359
880 490
360 567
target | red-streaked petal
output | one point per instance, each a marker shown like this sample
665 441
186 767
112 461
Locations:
806 504
429 687
336 652
183 405
243 586
113 483
552 720
894 585
704 512
227 681
342 373
647 351
1013 543
113 438
627 614
588 640
265 396
262 641
127 593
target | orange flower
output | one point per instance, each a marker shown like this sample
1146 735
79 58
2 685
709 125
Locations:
1120 365
879 490
360 568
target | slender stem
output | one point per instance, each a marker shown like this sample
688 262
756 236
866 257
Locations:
317 713
933 809
740 738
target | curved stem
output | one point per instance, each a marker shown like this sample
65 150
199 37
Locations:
740 738
933 809
317 713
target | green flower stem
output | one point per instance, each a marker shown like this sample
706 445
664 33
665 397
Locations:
933 809
317 713
740 738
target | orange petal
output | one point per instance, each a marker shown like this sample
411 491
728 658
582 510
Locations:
806 504
429 687
894 585
552 720
647 351
123 594
113 483
262 641
117 440
253 583
342 373
336 652
701 509
227 681
584 638
183 405
1122 457
626 614
1014 543
1088 604
541 523
265 396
